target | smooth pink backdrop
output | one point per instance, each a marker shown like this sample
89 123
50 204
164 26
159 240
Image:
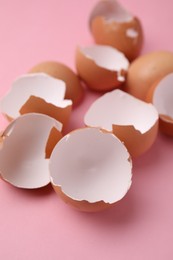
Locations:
37 224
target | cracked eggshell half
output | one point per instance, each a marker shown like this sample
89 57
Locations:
146 70
74 89
111 24
37 93
101 67
133 121
90 169
27 144
161 95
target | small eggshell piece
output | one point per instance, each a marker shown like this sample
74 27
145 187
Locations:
133 121
101 67
90 169
74 89
23 161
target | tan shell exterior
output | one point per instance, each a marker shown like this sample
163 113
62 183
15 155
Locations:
115 35
58 70
146 70
136 143
38 105
82 205
95 77
165 122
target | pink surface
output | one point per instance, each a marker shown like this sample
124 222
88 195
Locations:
37 224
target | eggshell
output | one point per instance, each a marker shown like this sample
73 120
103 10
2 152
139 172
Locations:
38 93
161 95
133 121
23 158
74 89
146 70
112 25
90 169
101 67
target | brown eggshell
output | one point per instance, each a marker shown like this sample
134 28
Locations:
74 90
133 121
111 24
27 146
82 205
96 77
133 138
36 104
94 177
146 70
165 86
116 35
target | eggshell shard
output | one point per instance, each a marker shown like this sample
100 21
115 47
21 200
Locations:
146 70
133 121
96 175
39 93
23 161
74 89
112 25
161 95
102 68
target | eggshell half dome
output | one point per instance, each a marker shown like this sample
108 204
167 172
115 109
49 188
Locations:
102 68
111 24
146 70
161 95
133 121
39 93
23 158
90 169
74 89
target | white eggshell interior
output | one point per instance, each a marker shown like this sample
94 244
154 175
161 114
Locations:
107 57
37 84
91 165
22 157
119 108
111 10
163 96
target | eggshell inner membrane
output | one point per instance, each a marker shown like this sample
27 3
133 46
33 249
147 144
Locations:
119 108
163 96
91 165
111 10
108 58
39 85
22 156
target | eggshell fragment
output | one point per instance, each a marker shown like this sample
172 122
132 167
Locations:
111 24
74 90
23 159
133 121
90 169
146 70
103 68
161 95
38 93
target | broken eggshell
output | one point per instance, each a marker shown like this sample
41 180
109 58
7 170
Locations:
111 24
161 95
146 70
90 169
133 121
74 89
38 93
27 144
102 68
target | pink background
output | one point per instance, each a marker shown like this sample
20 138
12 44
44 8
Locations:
37 224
